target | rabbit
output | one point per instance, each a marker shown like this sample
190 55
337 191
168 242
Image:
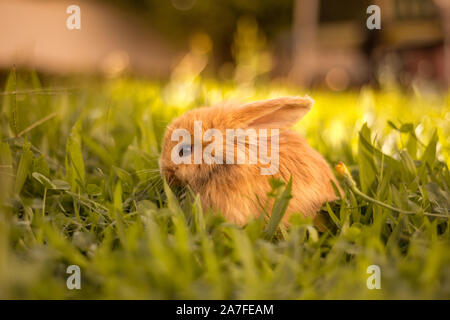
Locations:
239 191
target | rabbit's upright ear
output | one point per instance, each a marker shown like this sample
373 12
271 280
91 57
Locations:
274 113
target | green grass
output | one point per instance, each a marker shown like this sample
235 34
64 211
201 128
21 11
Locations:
80 185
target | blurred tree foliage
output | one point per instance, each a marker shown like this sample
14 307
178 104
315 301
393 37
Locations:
178 19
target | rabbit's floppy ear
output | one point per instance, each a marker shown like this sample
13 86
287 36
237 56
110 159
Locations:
281 112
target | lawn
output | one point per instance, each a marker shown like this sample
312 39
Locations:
80 185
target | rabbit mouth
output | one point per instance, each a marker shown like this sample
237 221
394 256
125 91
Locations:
171 177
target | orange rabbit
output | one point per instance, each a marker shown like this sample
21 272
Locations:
237 190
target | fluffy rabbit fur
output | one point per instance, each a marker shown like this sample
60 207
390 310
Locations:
234 189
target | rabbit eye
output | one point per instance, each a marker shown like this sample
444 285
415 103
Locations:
185 150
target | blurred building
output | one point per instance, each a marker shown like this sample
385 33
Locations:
333 46
34 34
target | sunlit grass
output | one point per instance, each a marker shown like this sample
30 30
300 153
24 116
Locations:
83 187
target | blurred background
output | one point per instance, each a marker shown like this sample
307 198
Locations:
309 43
